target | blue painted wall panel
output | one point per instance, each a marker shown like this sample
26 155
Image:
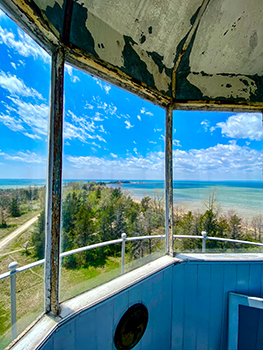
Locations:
203 306
167 301
243 278
85 328
134 297
260 332
230 285
190 306
65 337
178 307
48 345
254 286
104 323
216 307
187 304
120 305
148 299
135 294
161 317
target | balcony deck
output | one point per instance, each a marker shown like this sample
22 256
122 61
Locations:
187 298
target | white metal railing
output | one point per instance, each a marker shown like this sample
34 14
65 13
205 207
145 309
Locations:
14 269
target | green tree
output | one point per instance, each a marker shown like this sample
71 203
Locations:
14 208
4 204
235 228
38 236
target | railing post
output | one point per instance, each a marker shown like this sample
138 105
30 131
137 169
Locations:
12 267
204 234
123 236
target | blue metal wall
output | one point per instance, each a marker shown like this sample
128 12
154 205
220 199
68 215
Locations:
187 304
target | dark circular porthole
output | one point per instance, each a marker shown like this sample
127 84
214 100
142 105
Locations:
131 327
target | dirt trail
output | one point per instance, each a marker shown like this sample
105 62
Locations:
19 230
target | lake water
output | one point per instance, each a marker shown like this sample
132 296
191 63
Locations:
246 198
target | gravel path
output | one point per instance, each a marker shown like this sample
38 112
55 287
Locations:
19 230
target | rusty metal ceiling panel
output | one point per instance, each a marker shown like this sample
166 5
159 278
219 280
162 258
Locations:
225 59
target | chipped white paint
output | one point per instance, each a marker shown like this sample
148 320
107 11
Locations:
43 4
136 21
230 38
161 80
109 43
223 86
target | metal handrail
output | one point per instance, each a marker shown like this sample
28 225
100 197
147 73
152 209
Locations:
14 270
127 239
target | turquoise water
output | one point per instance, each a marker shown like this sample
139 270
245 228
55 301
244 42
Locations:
246 198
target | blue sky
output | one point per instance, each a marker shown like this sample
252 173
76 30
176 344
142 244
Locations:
110 133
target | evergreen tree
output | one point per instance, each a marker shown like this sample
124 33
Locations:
14 208
38 237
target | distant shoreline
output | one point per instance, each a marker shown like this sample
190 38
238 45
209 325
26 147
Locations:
246 198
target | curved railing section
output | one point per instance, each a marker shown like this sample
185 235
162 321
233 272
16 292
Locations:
15 270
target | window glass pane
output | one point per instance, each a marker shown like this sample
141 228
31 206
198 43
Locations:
24 93
218 179
113 180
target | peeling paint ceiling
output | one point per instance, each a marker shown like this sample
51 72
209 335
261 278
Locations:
191 53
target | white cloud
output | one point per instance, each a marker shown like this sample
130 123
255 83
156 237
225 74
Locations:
139 117
176 143
34 116
17 86
104 86
144 111
97 117
102 129
74 79
212 129
218 161
107 88
83 122
24 45
153 142
13 65
95 144
134 142
32 136
88 106
25 157
69 70
11 123
128 124
113 155
205 124
72 131
243 126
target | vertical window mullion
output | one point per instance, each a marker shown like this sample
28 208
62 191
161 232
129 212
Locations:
54 184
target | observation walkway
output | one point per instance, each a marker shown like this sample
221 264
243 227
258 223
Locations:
194 301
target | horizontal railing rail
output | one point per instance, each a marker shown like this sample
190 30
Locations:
127 239
15 270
